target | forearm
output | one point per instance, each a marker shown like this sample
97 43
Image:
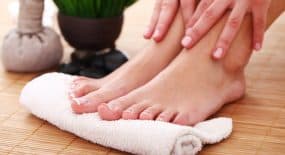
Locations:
275 10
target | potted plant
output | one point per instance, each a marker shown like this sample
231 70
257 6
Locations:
92 27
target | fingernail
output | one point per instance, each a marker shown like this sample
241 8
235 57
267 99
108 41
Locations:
156 34
80 101
218 53
257 46
186 41
147 32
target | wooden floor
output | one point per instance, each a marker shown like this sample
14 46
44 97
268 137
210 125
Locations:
259 118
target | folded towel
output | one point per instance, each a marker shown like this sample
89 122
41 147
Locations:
47 98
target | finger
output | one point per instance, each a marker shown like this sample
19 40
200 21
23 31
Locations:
168 11
154 19
259 25
187 7
205 22
202 6
231 29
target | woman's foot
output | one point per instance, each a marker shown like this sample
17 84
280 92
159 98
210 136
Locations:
87 94
183 94
191 88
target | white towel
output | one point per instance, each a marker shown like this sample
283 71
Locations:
46 97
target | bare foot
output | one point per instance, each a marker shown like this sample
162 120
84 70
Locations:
192 87
87 93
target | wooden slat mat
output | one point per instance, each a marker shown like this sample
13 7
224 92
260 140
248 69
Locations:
259 118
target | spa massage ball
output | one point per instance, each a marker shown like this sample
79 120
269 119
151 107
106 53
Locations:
31 47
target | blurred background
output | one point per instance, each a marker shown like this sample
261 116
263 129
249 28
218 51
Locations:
130 40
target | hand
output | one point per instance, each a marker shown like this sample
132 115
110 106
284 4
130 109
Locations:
164 14
209 12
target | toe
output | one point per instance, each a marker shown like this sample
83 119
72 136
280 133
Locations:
75 106
134 111
90 102
182 119
82 89
186 119
81 86
166 116
80 106
114 109
151 112
105 113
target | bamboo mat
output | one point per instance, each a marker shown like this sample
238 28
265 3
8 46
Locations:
259 118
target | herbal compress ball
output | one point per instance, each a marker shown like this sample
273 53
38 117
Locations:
31 47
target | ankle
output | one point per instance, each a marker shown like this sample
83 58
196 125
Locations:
237 86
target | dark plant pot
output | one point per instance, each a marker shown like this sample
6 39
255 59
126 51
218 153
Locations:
90 37
90 34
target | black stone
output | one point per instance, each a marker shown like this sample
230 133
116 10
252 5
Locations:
114 60
98 62
93 72
92 64
71 68
83 58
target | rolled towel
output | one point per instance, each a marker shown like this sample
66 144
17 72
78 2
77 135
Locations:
47 98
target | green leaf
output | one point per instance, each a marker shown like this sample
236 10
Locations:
93 8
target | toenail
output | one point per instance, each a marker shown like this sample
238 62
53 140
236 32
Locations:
113 107
160 119
146 113
80 101
71 94
72 86
130 111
